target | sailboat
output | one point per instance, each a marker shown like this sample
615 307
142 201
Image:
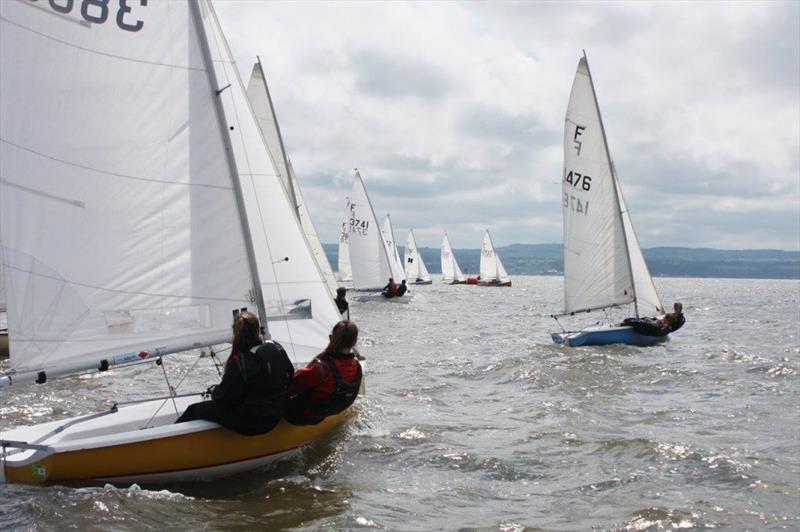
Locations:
603 264
415 268
140 236
451 272
492 271
398 272
372 260
261 102
345 273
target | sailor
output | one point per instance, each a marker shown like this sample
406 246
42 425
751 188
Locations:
341 302
330 383
401 290
674 320
390 290
253 394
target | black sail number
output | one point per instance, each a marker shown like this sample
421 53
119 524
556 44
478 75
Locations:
97 11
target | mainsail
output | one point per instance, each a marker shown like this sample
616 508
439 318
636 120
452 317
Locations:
450 269
398 273
119 221
345 273
300 309
369 253
603 264
414 265
491 267
260 100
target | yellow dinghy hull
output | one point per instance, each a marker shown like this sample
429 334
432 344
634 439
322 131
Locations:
113 447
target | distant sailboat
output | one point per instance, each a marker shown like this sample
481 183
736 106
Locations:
398 273
371 257
492 271
603 263
451 273
261 101
416 272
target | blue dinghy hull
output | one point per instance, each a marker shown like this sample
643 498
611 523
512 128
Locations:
604 335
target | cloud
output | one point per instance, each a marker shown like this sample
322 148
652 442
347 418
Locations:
454 112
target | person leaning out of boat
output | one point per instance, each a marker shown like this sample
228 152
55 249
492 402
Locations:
330 383
401 290
668 323
672 321
341 302
390 290
253 394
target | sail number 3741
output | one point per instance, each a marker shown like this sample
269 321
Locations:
97 11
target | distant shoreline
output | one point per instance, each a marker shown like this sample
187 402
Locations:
703 263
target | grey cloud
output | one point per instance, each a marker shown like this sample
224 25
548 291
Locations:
486 122
394 76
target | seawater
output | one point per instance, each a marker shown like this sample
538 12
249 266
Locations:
473 419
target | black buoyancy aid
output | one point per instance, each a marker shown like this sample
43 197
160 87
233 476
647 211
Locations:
267 374
344 395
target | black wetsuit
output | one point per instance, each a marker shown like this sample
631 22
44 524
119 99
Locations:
342 305
253 394
401 290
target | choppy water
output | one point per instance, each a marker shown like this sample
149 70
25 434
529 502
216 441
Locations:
474 420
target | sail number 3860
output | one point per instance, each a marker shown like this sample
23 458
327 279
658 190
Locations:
97 11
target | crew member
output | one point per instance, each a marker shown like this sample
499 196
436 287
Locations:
401 290
341 302
330 382
390 290
253 394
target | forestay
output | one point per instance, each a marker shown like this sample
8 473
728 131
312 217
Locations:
398 273
300 310
597 272
261 102
345 273
414 265
450 269
118 215
369 258
491 267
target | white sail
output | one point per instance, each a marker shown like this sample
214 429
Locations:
2 286
414 265
300 310
491 266
345 273
398 273
647 301
450 269
260 100
597 271
118 211
369 257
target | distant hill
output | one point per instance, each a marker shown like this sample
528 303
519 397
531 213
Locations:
546 259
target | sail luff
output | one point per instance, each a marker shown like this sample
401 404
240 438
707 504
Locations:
343 266
614 182
237 186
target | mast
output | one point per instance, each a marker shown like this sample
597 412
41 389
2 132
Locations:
280 141
258 295
614 182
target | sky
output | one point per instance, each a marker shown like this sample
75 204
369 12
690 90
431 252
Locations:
454 112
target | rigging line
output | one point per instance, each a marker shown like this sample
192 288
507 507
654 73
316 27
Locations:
110 173
171 396
119 291
97 52
224 46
